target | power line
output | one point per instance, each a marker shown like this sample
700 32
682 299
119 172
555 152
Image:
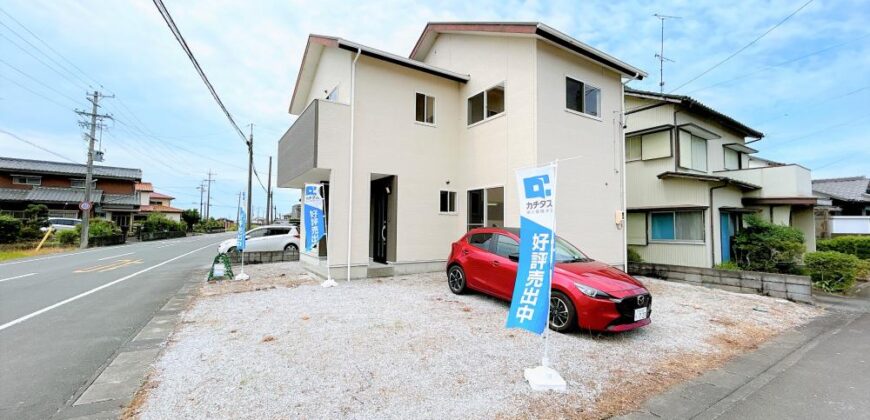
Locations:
180 38
744 47
14 136
49 66
37 81
36 93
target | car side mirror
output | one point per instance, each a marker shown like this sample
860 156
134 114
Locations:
514 257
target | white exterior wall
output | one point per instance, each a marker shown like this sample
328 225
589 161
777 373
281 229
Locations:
590 199
333 70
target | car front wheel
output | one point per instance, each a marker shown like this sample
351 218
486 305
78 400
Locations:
291 247
456 280
563 316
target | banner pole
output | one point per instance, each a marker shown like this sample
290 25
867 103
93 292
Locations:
546 359
326 235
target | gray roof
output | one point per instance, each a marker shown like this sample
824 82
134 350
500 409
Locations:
28 166
49 195
847 189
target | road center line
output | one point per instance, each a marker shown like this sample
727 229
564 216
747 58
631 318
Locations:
115 256
96 289
18 277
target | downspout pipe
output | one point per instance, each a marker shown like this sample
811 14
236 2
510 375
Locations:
350 160
712 221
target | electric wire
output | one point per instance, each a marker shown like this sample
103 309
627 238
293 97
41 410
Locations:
23 140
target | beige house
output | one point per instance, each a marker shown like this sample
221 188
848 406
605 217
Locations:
415 151
151 201
692 177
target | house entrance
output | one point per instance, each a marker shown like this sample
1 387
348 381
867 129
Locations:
382 225
486 207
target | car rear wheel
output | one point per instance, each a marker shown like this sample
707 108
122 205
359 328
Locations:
563 316
291 247
456 280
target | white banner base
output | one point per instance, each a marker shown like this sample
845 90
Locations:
543 378
242 276
329 283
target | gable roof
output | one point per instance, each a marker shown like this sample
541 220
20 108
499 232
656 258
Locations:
542 31
37 167
144 186
155 194
696 107
316 44
847 189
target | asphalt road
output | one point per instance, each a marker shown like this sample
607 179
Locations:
64 316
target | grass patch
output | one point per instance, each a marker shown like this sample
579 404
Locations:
11 254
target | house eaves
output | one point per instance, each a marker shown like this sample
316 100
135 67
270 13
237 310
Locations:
311 59
44 167
695 106
709 178
542 31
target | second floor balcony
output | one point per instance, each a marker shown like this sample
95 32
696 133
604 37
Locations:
788 184
318 136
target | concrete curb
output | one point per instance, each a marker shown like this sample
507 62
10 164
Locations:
114 386
713 393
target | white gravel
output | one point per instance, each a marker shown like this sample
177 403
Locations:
406 347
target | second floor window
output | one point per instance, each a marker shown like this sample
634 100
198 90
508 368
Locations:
582 97
648 146
693 151
27 180
732 159
486 104
80 183
425 112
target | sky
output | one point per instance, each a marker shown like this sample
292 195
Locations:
805 84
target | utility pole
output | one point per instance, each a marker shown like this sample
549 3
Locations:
661 54
269 193
238 207
208 196
201 189
86 210
250 173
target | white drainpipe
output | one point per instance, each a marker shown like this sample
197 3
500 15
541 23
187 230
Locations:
350 159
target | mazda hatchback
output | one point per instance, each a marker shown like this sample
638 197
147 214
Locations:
586 294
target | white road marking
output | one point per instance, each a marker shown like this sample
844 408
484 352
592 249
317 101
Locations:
96 289
164 246
115 256
18 277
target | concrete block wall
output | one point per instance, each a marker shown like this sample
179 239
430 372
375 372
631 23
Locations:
785 286
263 257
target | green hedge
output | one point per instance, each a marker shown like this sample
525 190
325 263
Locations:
69 236
858 246
634 256
157 222
768 247
832 271
9 229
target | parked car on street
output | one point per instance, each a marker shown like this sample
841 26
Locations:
266 238
61 223
585 293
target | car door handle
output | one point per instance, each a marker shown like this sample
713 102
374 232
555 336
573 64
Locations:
464 252
496 263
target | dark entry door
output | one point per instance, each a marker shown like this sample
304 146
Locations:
380 222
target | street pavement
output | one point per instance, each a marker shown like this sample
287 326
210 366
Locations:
63 317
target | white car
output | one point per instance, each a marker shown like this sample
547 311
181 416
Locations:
61 223
266 238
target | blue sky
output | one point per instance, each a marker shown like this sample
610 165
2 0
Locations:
805 85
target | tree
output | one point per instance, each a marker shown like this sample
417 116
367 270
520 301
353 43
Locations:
764 246
191 217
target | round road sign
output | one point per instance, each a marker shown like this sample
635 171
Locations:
84 205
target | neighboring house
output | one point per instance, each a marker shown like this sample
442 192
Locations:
692 177
433 141
846 208
61 187
155 202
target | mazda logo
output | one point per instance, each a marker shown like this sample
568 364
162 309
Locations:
641 299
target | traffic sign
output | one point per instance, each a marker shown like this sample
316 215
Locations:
84 205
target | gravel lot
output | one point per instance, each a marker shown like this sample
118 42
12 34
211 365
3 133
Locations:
280 346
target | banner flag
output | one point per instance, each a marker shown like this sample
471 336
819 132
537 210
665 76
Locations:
531 298
315 227
243 223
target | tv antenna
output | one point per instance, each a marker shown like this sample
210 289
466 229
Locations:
661 54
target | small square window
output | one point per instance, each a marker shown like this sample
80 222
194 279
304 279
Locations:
425 109
582 97
448 202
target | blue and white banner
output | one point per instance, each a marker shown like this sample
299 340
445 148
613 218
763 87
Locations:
315 226
243 224
531 299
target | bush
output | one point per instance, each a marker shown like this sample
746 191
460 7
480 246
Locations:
69 236
832 271
863 272
728 265
30 232
858 246
206 225
634 256
9 229
101 228
764 246
157 222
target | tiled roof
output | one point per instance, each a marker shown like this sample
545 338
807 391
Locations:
847 189
144 186
159 209
48 195
60 168
120 199
155 194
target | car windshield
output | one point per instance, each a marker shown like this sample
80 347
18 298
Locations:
565 252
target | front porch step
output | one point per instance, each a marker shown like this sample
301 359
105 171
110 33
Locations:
380 270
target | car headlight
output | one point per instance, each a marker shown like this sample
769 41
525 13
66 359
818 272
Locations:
594 293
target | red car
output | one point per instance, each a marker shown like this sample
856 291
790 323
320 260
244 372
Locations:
586 293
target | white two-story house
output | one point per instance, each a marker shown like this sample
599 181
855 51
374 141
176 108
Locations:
416 151
692 177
